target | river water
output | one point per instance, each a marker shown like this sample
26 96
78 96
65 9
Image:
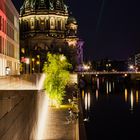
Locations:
111 109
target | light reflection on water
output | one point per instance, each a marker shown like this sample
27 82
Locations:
137 96
126 93
131 101
111 106
107 87
97 94
130 96
98 83
87 101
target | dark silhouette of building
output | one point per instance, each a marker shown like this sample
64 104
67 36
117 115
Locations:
46 26
109 65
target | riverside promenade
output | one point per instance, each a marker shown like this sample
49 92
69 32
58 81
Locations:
59 128
18 100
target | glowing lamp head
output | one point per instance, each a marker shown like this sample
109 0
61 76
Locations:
38 56
37 62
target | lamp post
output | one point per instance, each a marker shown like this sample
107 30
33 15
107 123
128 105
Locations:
33 60
38 65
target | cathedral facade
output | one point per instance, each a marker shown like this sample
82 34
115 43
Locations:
46 26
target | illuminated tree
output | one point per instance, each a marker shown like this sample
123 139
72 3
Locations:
57 77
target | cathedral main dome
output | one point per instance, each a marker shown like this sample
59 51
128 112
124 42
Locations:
47 17
50 6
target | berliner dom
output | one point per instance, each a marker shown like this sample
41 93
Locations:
46 26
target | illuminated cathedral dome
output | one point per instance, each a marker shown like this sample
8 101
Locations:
43 5
43 16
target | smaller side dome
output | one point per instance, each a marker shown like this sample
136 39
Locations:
71 27
71 20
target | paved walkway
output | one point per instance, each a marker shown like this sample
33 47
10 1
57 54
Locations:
57 126
15 83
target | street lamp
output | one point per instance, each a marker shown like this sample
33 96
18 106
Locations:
86 67
38 65
38 62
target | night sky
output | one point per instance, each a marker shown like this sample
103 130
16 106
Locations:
110 28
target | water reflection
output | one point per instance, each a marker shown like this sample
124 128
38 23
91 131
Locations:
110 88
87 101
110 105
97 94
98 83
104 88
87 105
131 101
126 93
137 96
107 87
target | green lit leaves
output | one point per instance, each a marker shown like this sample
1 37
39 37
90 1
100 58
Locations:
57 76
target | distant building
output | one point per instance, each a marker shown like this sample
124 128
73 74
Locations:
109 65
134 62
131 61
46 26
137 59
9 39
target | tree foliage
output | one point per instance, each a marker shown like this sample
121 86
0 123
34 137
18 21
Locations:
57 77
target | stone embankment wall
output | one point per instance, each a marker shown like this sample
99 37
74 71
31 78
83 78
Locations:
19 114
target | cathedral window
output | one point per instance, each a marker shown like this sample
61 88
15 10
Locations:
37 24
59 24
52 23
47 24
32 24
26 25
42 25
